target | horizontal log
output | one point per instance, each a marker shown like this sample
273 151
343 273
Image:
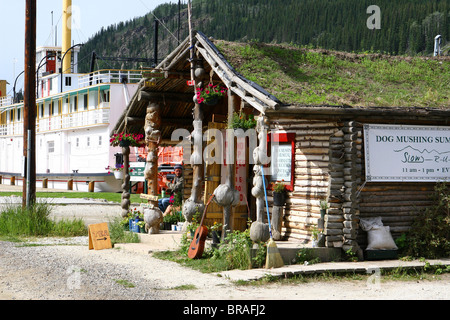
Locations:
308 157
310 171
317 138
313 151
406 203
312 144
311 164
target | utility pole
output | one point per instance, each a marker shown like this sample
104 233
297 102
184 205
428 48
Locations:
29 109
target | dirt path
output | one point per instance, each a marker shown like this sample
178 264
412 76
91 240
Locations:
75 273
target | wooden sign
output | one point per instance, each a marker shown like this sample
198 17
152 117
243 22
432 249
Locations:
148 197
99 237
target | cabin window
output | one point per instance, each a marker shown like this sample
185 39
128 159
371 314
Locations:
88 141
99 140
19 114
68 81
77 142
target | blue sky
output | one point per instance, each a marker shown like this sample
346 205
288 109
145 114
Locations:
92 15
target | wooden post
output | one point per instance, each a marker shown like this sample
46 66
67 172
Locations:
70 185
231 164
152 137
29 108
91 186
13 181
45 183
126 181
259 231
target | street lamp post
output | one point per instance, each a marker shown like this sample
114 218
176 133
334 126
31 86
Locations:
62 63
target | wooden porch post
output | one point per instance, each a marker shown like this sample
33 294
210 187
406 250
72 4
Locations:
126 181
153 216
259 231
231 164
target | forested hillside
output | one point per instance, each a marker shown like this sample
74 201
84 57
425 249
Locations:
408 27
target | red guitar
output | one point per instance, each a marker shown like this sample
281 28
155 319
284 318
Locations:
198 243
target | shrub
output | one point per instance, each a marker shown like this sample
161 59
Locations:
430 232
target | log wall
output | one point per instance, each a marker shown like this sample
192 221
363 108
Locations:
311 179
329 164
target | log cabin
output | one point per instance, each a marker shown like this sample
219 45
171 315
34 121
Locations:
338 154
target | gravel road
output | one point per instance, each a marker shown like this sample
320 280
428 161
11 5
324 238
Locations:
65 269
59 271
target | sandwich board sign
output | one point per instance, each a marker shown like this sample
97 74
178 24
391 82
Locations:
99 237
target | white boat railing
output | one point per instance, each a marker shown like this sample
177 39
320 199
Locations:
6 101
109 76
74 120
61 122
11 129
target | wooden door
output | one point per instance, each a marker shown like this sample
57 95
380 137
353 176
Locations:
212 181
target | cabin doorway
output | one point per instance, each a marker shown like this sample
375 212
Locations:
217 173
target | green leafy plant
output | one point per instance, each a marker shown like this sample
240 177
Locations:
324 205
429 233
216 226
242 121
235 250
279 187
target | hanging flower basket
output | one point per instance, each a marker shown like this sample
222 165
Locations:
118 175
117 171
127 140
211 95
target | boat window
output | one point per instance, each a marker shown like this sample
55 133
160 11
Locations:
85 102
51 146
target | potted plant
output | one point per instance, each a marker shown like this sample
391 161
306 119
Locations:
315 236
141 225
324 206
195 223
242 121
211 94
279 194
215 232
127 140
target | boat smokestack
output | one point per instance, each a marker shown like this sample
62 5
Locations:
67 35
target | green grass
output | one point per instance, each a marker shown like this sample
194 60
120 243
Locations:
16 222
109 196
315 77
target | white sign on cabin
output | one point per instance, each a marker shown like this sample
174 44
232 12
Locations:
401 153
281 165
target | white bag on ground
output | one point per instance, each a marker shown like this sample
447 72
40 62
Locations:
378 235
380 238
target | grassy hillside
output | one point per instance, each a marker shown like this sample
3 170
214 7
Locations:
297 75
